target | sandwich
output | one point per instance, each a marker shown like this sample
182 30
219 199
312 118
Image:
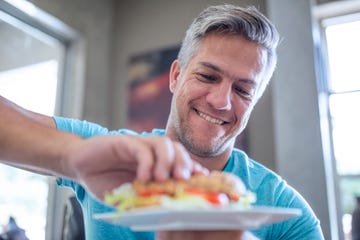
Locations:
217 189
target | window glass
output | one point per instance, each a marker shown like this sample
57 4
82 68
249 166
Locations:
343 56
29 67
345 115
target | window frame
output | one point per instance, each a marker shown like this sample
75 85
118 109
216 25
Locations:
326 15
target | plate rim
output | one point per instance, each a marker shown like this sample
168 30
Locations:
208 210
127 217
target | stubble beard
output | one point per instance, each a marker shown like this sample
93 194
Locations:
186 135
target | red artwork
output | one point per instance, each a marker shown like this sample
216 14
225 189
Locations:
149 94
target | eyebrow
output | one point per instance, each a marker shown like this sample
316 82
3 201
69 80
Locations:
219 70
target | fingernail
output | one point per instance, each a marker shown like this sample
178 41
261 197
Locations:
200 169
186 173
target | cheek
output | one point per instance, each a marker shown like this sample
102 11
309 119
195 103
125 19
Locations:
187 90
190 91
179 99
243 111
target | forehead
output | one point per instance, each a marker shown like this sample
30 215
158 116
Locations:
233 54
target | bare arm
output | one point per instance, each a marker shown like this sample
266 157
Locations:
14 111
30 141
24 139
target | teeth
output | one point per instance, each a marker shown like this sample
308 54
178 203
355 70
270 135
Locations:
210 119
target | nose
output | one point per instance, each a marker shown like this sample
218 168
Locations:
219 97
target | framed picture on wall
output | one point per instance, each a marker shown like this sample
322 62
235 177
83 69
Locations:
149 95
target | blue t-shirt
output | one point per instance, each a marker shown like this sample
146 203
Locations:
270 190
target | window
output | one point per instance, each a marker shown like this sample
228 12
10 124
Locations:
28 77
341 88
41 68
344 102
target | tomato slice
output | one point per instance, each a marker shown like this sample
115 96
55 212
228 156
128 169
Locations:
149 193
234 198
220 199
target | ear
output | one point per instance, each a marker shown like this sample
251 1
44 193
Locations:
174 75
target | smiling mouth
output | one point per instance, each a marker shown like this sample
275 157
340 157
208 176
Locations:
209 119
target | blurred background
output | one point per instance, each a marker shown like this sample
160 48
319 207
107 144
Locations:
96 60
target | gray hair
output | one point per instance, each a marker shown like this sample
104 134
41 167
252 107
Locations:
234 20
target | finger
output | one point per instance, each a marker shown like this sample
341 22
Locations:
142 153
199 169
164 154
183 166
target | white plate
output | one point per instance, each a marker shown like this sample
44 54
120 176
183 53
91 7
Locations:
155 219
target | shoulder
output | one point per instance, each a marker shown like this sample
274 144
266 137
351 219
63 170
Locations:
272 190
88 129
254 174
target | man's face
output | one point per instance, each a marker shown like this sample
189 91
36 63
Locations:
215 94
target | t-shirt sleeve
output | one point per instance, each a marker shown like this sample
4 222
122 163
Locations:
84 129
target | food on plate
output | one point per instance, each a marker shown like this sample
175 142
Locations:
217 189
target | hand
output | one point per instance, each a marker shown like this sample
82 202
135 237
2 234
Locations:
205 235
105 162
30 141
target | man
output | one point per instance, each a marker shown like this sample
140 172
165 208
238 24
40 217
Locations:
225 62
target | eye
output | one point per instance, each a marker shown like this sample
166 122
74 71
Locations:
207 77
243 92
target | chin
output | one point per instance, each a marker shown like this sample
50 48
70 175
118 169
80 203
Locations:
207 150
